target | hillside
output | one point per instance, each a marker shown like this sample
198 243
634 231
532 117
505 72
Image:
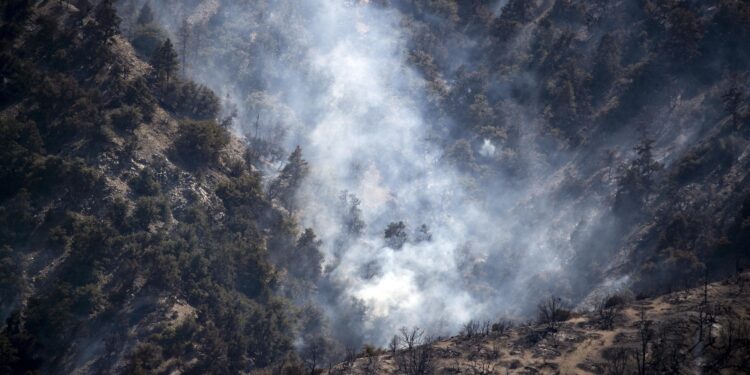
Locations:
272 187
699 330
543 147
135 236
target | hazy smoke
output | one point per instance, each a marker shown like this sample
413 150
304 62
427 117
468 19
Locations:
337 83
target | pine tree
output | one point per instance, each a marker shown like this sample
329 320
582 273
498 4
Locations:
395 235
285 186
164 62
107 20
645 163
146 15
305 262
296 167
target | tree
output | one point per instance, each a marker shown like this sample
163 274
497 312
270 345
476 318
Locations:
194 101
314 352
146 15
201 141
645 334
645 163
607 308
284 187
395 235
706 318
126 117
637 178
306 259
164 62
552 311
145 359
107 21
354 225
414 353
618 360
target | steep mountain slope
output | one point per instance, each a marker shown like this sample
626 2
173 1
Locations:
134 236
629 116
455 161
545 147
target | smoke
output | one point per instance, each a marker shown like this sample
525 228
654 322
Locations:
370 139
333 77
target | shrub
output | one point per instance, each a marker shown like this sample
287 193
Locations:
149 210
193 101
552 311
201 141
145 183
244 190
126 117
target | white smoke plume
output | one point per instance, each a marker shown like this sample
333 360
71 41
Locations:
339 85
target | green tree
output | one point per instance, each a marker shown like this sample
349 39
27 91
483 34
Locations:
146 15
285 186
201 141
305 261
164 62
107 21
637 179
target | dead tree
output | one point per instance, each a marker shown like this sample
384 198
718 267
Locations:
645 334
607 309
314 353
501 326
705 314
618 360
551 312
414 354
471 329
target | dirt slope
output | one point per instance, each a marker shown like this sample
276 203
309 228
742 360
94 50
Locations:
582 344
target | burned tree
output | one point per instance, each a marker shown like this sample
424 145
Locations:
552 311
414 353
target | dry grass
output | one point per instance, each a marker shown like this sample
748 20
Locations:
577 346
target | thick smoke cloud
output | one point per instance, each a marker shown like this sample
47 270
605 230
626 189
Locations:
338 84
